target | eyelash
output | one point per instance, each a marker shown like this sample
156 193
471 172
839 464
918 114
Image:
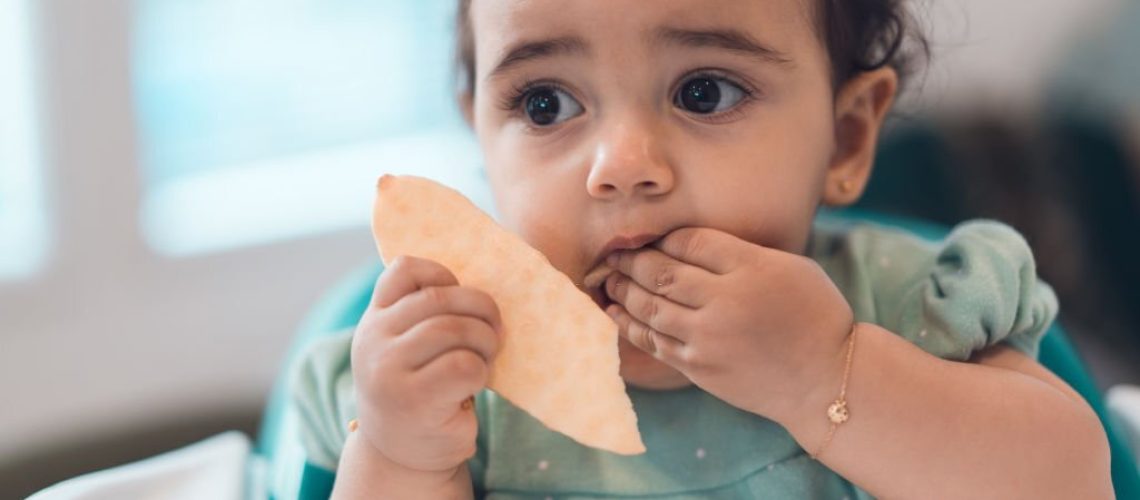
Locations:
514 98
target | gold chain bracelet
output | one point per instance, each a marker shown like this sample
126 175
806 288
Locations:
838 413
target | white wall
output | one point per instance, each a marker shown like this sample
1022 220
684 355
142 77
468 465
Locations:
110 335
998 53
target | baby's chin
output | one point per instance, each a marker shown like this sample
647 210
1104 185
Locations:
643 371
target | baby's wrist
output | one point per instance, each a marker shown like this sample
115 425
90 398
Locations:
819 385
365 468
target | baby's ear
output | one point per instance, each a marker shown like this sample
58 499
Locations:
860 108
466 103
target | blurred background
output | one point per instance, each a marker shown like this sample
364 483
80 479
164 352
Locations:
180 180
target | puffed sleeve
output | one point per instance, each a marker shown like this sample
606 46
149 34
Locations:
975 289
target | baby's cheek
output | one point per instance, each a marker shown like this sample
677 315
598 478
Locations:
566 249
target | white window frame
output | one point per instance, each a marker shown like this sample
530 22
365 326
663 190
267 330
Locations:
23 220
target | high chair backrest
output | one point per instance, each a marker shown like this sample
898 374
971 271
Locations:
292 476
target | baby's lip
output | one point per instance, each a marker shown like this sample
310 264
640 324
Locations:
623 242
627 242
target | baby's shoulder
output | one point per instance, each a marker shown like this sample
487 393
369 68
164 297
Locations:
951 292
917 244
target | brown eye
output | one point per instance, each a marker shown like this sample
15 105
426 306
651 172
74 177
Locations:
707 95
548 106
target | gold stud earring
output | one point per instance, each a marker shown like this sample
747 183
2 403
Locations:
845 186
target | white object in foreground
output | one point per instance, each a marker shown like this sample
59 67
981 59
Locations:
214 468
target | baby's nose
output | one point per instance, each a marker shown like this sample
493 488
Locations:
628 161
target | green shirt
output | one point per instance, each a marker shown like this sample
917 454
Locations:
975 289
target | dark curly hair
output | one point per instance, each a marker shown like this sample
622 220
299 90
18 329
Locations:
860 35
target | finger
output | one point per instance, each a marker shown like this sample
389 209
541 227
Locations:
409 274
655 311
438 334
660 345
452 378
434 301
681 282
704 247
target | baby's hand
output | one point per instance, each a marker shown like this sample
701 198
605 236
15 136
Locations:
756 327
421 350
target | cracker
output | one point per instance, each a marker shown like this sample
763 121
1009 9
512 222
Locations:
558 357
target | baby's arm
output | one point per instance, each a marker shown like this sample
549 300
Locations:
924 427
1003 422
767 331
975 297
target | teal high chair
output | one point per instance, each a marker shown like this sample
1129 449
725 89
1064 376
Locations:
291 476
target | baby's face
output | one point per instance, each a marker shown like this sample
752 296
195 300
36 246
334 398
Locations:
609 123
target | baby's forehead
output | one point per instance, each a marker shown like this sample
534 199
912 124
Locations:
600 25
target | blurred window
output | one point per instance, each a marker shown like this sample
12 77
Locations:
23 222
262 120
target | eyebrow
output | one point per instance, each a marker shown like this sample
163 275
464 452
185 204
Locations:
727 39
538 49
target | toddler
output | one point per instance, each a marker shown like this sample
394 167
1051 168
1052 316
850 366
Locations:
670 156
